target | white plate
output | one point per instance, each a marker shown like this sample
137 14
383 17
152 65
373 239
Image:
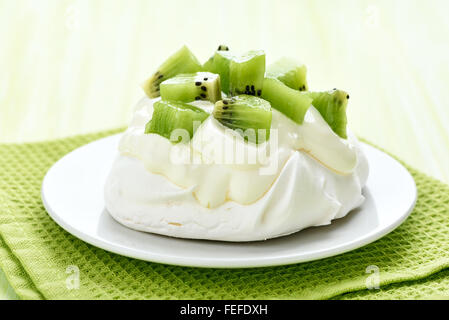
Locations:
72 193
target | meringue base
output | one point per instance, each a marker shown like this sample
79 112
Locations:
304 194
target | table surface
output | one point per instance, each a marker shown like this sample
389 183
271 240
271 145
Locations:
74 66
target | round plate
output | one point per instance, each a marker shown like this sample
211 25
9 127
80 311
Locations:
72 193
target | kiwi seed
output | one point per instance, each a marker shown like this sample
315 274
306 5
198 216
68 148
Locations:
203 95
197 83
181 62
244 112
203 88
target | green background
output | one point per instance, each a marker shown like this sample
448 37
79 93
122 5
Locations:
69 67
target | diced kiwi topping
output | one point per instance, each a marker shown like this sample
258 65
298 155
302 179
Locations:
332 107
246 73
182 61
250 116
290 72
290 102
239 74
191 87
250 94
175 120
219 64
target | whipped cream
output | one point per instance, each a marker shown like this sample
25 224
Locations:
304 175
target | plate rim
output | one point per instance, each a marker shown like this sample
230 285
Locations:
225 263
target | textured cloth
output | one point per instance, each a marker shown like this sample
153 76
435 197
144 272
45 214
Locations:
435 286
36 254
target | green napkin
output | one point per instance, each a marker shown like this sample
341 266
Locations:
41 260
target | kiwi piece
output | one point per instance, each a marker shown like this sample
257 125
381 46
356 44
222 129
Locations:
249 115
290 72
223 47
192 86
332 107
292 103
209 65
246 73
182 61
219 63
169 116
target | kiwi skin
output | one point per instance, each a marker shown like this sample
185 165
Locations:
332 107
169 116
182 61
250 116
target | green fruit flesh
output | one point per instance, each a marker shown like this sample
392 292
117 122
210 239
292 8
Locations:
219 63
290 72
180 79
209 65
169 116
332 107
183 61
190 87
290 102
246 73
248 115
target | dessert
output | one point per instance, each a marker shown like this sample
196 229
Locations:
231 150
